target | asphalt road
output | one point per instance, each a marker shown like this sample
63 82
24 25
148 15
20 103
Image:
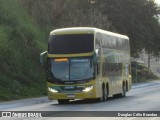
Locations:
142 97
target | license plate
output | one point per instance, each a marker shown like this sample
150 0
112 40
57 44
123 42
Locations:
70 95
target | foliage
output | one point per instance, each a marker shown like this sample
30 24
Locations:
20 44
141 73
135 18
73 13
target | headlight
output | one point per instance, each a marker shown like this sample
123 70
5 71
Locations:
52 90
87 89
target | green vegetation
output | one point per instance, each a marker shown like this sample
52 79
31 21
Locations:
137 19
21 41
141 73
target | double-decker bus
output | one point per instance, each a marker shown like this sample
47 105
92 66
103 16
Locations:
87 63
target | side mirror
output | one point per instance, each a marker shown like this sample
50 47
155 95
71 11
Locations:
43 58
96 58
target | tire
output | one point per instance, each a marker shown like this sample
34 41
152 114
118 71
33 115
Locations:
101 98
63 101
105 94
124 90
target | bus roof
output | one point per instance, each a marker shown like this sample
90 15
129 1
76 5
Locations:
83 30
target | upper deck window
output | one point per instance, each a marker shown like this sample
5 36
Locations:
70 43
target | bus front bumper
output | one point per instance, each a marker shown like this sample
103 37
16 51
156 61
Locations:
72 96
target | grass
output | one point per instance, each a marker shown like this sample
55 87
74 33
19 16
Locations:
21 42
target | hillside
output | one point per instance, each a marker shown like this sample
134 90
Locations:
21 42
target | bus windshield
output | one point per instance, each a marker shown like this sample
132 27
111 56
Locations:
72 69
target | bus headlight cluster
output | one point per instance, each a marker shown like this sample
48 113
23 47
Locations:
52 90
87 89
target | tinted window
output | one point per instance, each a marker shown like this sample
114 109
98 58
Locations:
70 43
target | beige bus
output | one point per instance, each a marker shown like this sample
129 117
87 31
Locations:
87 63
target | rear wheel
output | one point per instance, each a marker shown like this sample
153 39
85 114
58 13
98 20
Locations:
63 101
124 90
105 94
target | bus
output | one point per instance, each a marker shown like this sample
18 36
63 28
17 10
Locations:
87 63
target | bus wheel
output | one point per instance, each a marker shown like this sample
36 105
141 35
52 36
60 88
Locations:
124 91
105 94
63 101
102 96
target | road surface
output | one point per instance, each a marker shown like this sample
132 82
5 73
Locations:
142 97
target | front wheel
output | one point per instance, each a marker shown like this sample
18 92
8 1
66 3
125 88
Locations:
104 95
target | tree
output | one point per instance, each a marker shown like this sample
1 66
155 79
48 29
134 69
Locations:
134 18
